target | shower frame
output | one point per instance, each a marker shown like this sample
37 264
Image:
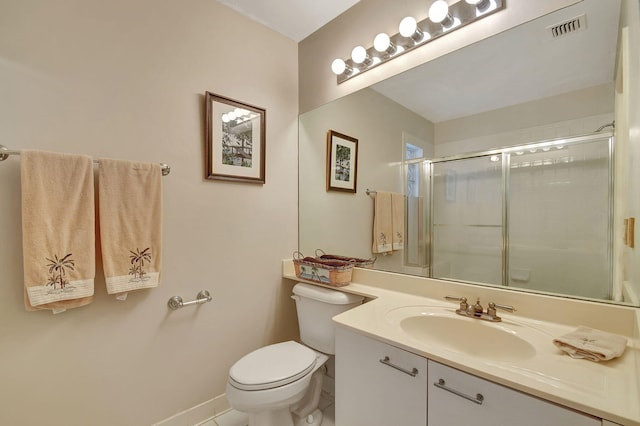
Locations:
505 154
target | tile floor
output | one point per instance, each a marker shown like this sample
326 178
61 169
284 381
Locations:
236 418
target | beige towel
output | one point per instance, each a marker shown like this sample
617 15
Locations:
58 230
397 220
130 210
591 344
382 223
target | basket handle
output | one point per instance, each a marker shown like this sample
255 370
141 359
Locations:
297 255
320 252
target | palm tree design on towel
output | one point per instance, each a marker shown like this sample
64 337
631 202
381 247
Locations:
137 263
58 270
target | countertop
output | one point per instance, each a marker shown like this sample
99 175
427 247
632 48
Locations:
610 389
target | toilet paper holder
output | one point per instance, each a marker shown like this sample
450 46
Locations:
176 301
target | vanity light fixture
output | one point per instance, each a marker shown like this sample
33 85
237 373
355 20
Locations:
442 19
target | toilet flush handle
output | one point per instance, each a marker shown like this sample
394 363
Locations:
295 297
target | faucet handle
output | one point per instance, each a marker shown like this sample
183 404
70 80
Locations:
491 309
463 302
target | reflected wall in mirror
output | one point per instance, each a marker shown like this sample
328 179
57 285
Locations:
519 87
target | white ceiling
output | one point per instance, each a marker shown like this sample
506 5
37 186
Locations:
295 19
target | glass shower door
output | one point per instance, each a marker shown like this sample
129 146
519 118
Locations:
467 219
559 219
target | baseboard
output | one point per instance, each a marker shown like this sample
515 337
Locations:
198 414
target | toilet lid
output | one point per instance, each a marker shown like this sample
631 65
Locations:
272 366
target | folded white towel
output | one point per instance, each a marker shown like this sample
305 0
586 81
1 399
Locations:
591 344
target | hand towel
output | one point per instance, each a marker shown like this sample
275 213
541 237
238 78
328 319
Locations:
130 211
382 223
397 220
591 344
58 230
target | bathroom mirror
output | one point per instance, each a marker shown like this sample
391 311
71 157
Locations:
520 87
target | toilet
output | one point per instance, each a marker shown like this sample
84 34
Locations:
280 384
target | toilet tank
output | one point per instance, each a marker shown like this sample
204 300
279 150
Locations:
316 306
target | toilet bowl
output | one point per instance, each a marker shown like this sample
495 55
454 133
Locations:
277 384
280 384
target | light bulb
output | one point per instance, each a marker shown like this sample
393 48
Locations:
382 42
358 54
438 11
338 66
481 5
231 115
408 26
225 118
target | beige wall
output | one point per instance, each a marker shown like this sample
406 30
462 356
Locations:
125 79
367 18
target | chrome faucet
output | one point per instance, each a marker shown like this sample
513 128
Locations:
477 311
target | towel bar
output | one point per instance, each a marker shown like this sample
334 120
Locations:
176 301
5 153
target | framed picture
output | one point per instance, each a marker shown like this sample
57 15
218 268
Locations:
342 162
235 140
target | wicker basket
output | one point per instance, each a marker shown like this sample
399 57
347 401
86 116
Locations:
360 263
336 273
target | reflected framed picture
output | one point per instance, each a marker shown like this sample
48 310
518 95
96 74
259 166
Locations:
342 162
234 140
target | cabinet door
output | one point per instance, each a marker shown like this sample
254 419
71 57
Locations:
458 398
371 391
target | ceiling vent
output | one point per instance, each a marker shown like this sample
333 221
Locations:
579 23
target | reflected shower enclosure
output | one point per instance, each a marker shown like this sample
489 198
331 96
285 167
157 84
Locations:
536 217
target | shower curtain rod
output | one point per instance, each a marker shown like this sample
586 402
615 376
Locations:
5 153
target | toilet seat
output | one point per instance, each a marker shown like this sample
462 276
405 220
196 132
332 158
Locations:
272 366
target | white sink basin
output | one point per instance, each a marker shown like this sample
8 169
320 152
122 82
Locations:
500 341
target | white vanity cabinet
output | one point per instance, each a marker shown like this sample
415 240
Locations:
458 398
378 384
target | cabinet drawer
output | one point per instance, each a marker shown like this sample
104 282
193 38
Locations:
457 398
